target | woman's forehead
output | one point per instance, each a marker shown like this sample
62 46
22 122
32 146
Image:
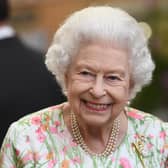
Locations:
97 56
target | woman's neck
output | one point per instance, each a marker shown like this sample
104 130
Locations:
96 137
102 133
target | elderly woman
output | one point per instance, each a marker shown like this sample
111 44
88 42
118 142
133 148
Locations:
101 60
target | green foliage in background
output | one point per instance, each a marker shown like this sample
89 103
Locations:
155 96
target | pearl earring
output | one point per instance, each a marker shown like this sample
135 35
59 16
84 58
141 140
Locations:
128 103
65 93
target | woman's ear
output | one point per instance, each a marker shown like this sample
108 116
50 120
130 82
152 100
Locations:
66 80
131 85
67 75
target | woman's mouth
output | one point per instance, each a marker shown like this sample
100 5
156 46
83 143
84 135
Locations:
97 107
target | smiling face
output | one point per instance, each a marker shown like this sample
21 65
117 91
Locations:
98 83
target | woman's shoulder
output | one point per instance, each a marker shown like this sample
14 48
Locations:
43 117
149 122
134 113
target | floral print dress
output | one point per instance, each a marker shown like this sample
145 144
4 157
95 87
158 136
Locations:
42 140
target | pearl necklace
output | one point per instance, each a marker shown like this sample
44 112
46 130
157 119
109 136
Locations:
111 144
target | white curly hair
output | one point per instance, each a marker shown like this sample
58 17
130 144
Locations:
101 23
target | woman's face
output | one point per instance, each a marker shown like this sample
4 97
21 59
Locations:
98 83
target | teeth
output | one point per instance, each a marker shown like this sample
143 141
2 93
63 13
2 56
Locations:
97 106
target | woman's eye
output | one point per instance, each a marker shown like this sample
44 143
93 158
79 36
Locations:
85 73
113 78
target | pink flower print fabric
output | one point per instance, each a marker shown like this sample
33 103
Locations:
42 140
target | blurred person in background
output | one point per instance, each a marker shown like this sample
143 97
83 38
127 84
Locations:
100 58
25 83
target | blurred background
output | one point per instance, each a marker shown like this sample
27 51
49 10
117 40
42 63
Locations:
37 20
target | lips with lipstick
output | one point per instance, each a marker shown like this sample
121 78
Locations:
97 107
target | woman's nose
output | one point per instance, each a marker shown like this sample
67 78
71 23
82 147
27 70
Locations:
97 90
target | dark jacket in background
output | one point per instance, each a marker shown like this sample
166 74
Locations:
25 83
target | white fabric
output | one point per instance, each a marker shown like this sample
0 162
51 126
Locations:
6 31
